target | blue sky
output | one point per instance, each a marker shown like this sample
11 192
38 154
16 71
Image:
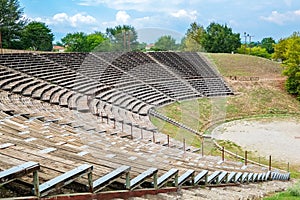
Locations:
153 18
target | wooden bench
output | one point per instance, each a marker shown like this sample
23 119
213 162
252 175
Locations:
223 177
254 178
165 177
268 176
137 181
65 179
110 177
250 177
280 176
245 177
260 177
238 177
188 175
200 176
214 177
274 175
13 173
231 177
287 176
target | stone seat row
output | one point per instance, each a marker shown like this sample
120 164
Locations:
171 176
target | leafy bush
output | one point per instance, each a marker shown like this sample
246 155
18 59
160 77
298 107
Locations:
255 51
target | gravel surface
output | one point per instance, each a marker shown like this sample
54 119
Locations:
279 138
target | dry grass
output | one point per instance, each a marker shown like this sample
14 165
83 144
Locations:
244 65
266 97
254 99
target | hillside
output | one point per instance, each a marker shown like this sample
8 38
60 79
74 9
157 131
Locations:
259 92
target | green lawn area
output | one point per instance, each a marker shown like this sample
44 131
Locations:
292 193
265 98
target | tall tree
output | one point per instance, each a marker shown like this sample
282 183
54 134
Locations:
11 22
95 40
81 42
75 42
288 50
220 39
122 38
193 37
165 43
268 43
37 36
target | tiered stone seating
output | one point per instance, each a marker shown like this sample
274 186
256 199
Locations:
97 67
71 60
176 89
65 110
199 63
211 87
177 64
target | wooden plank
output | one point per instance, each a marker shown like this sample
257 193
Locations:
200 176
64 179
213 178
238 177
110 177
222 177
13 173
231 177
188 175
245 177
142 178
268 176
6 145
165 177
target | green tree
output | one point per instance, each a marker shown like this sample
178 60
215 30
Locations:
81 42
95 40
255 51
122 38
11 22
288 50
75 42
193 38
268 43
37 36
220 39
165 43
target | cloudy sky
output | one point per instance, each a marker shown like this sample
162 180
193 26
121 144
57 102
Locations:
152 18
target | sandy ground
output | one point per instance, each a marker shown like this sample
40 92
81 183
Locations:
279 138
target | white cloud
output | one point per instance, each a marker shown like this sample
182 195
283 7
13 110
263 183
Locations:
280 18
75 20
192 15
137 5
122 17
297 12
60 17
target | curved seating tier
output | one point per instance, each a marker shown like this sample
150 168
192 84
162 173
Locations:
64 110
61 140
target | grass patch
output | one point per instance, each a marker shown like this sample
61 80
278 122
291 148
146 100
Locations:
265 98
292 193
245 65
257 98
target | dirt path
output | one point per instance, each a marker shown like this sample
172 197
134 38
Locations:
277 137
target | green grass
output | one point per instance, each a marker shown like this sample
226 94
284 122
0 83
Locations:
265 99
291 194
244 65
